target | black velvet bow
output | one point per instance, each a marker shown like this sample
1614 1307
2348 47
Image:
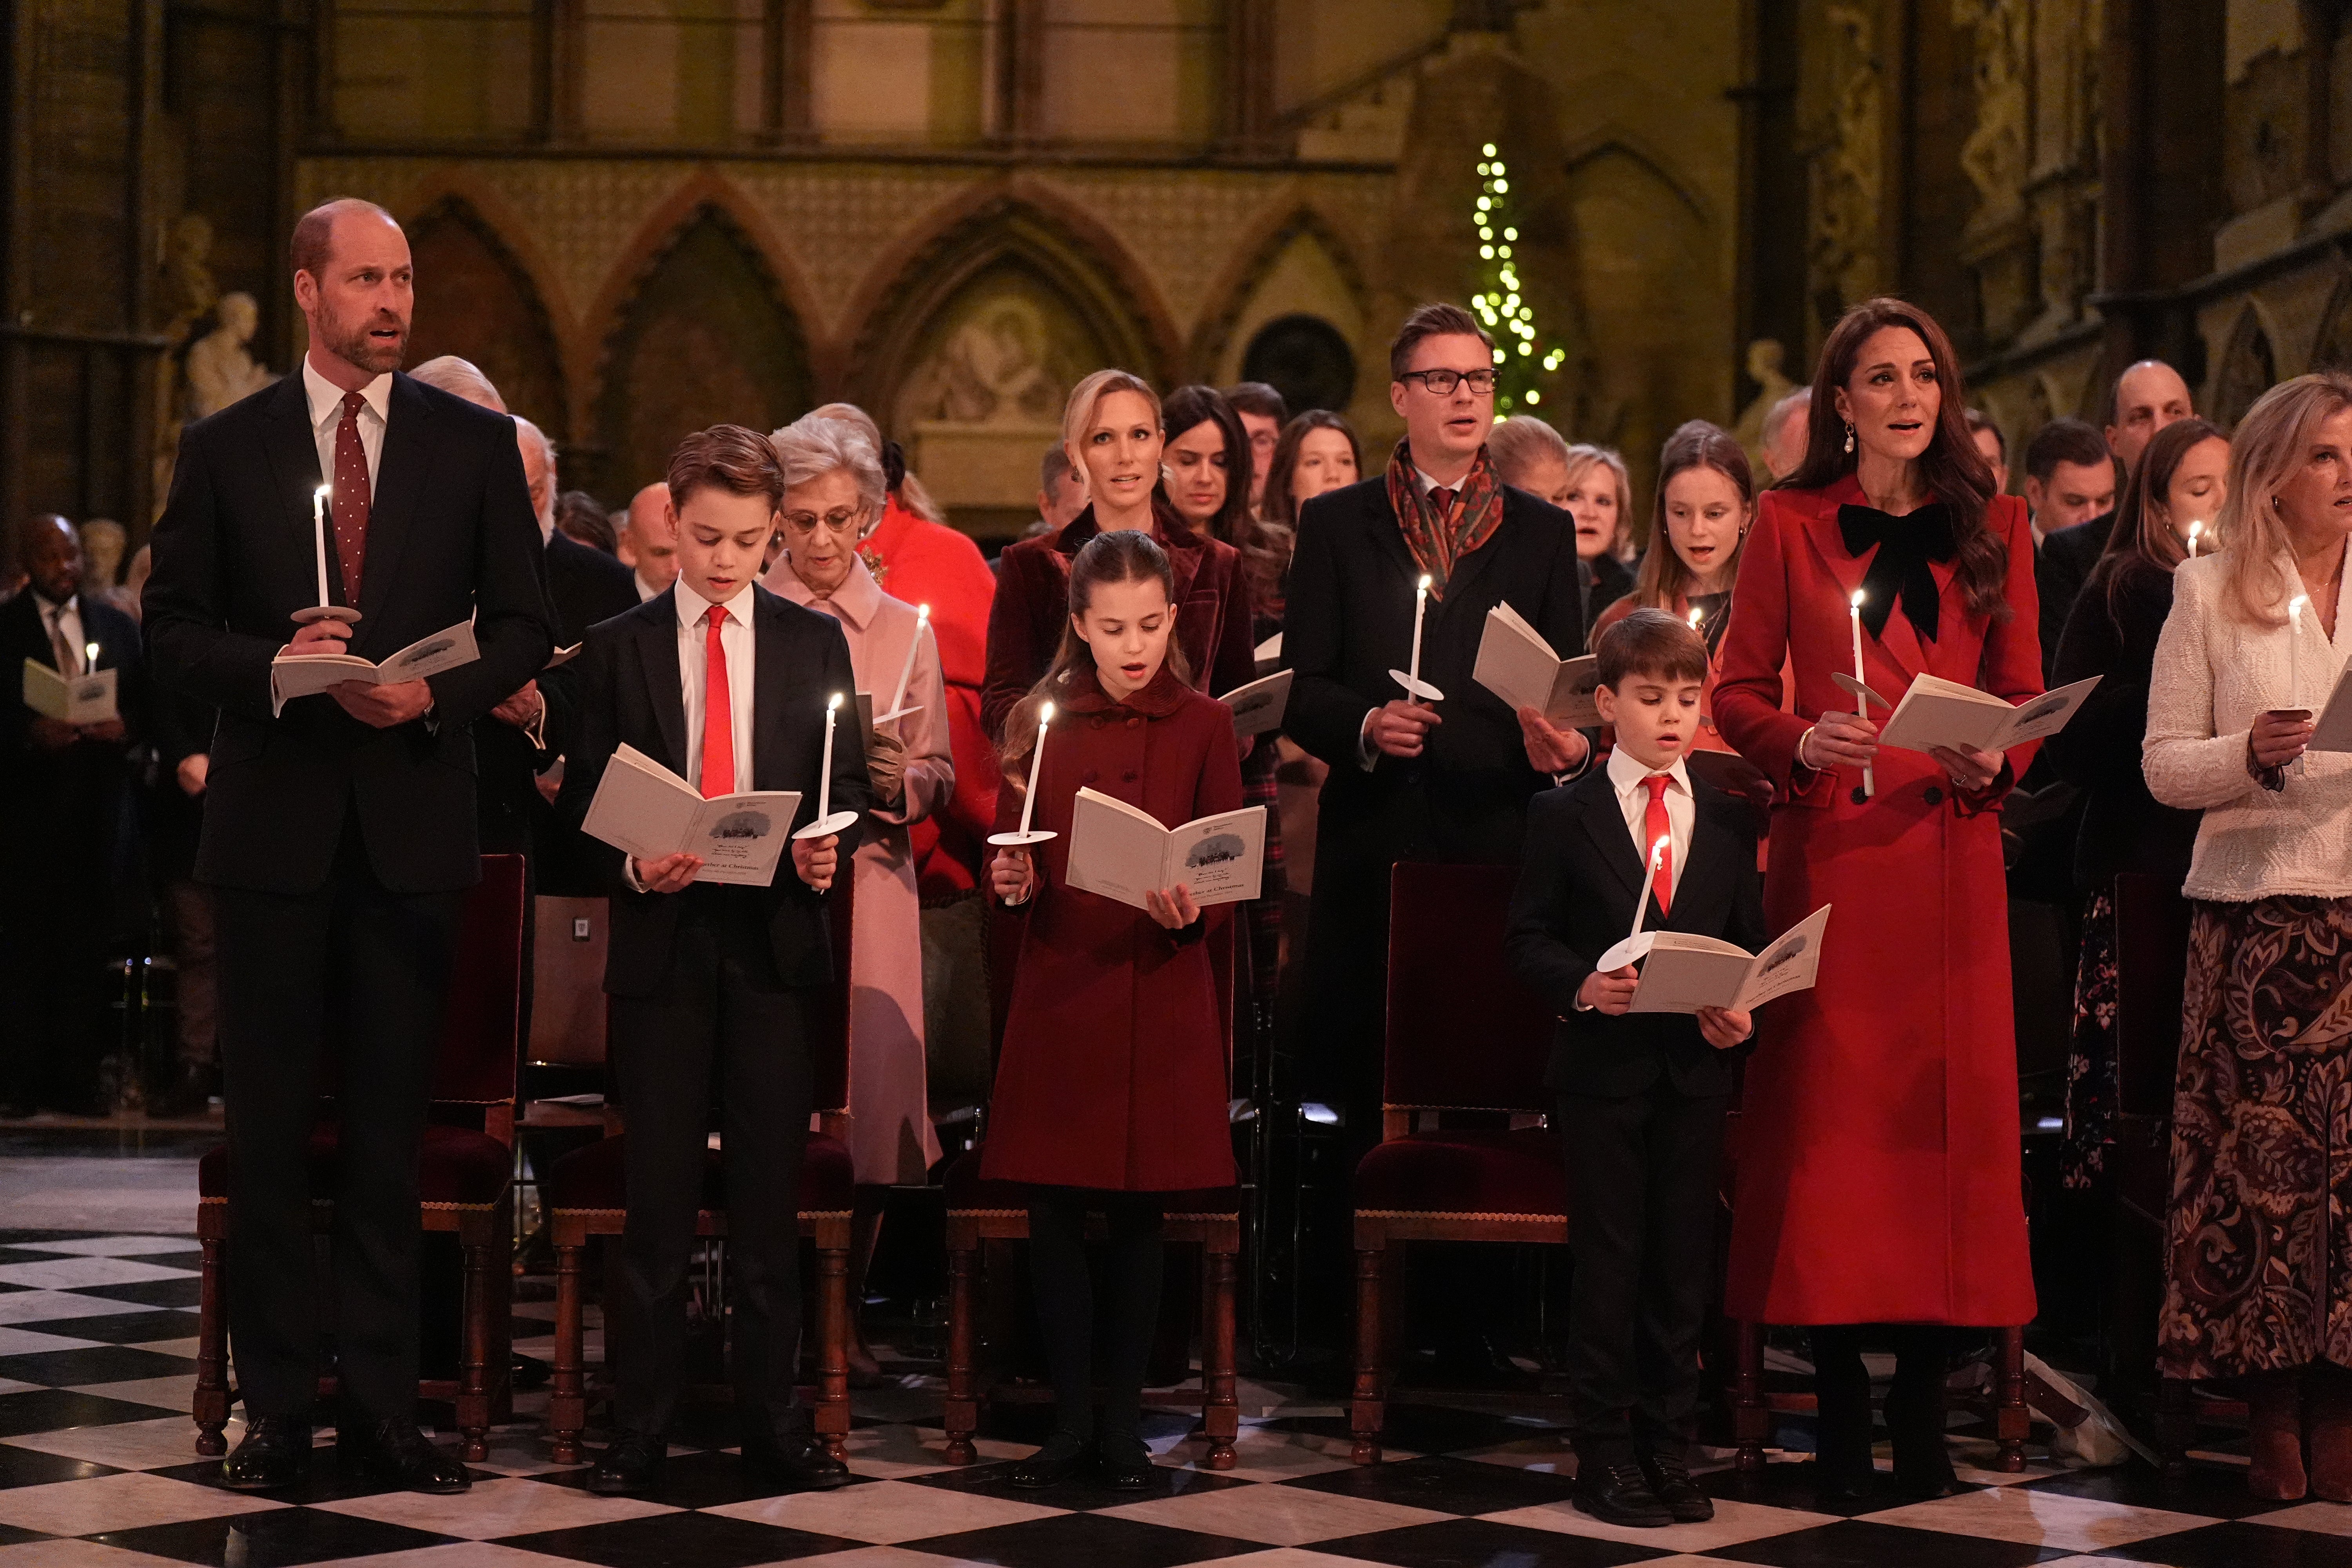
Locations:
1905 545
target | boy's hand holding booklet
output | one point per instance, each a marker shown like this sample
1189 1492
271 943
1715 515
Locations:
643 809
293 675
75 698
1123 853
1517 664
1937 713
1682 973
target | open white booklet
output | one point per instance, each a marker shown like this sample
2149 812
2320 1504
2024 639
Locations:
1123 853
1937 712
1682 973
75 698
1258 707
1519 665
293 675
2331 733
642 808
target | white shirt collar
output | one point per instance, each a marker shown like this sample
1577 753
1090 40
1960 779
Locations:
1425 484
692 606
327 398
1626 772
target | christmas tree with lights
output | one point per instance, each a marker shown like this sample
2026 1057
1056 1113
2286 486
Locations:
1525 362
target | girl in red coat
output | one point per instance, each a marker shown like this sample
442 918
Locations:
1878 1176
1111 1092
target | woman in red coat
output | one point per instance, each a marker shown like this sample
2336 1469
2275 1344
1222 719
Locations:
1879 1175
1111 1092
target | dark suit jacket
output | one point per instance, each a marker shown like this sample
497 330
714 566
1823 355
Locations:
450 534
2060 569
1574 902
65 810
629 694
1350 622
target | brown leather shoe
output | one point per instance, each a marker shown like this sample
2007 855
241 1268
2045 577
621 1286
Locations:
2274 1436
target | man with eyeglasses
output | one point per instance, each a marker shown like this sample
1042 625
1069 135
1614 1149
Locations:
1447 779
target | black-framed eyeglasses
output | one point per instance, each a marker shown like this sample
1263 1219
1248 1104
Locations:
1442 382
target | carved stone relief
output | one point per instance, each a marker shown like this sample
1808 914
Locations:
1848 175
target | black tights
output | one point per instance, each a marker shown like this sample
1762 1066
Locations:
1065 1302
1915 1404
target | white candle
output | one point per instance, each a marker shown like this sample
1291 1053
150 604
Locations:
2195 528
824 770
89 658
1029 800
1642 895
1696 616
318 529
1420 605
1869 780
907 670
2294 649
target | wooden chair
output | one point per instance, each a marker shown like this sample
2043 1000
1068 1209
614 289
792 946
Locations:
587 1196
1463 1035
465 1166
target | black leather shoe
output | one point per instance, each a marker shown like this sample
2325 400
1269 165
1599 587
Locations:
274 1453
1122 1463
1058 1461
394 1450
1618 1493
631 1466
1671 1484
798 1459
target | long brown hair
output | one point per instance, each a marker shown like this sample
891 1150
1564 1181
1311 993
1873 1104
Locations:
1120 555
1665 576
2143 534
2272 442
1280 508
1265 552
1952 469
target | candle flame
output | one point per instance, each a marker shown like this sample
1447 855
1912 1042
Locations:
922 613
2295 608
1856 601
1045 715
324 492
90 655
1658 851
833 702
1696 617
1424 582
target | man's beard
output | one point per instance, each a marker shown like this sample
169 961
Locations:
356 347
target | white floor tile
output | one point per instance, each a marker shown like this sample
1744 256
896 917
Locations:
1272 1456
451 1554
1280 1516
2040 1519
48 1306
497 1508
2319 1517
1733 1522
116 1245
184 1347
75 1555
129 1501
177 1392
886 1453
31 1341
154 1445
71 1273
886 1512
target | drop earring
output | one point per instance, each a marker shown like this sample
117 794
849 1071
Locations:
1849 436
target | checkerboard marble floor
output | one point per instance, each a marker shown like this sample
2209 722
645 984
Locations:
98 1470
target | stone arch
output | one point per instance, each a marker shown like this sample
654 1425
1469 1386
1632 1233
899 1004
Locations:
704 333
1215 340
476 299
2248 368
2332 349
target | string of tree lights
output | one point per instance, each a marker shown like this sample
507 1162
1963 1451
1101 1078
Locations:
1526 360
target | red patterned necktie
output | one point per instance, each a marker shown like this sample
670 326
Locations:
349 499
1440 502
1656 828
717 713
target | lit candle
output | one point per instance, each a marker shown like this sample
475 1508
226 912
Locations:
2196 527
1697 616
1413 670
1861 703
1642 895
907 670
1029 800
89 658
2294 649
824 770
318 529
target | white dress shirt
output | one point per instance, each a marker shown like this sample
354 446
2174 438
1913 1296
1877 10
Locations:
327 412
64 619
644 590
735 639
1628 777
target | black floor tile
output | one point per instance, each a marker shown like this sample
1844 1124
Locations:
2239 1544
995 1479
11 1237
1788 1485
53 1409
2214 1492
31 1467
662 1540
1084 1540
1860 1544
121 1328
272 1537
1425 1428
185 1292
93 1364
325 1481
1443 1484
1485 1543
690 1480
10 1535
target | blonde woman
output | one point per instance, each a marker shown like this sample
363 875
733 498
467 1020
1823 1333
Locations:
2258 1276
1589 484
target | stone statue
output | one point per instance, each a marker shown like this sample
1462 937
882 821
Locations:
185 294
103 541
220 367
1765 358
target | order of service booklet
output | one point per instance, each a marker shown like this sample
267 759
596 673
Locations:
1937 712
1682 973
293 675
1517 664
2332 731
642 808
75 698
1258 706
1122 852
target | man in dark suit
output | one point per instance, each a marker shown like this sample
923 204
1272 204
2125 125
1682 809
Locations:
2145 398
715 985
339 834
1642 1096
65 796
1411 780
2070 491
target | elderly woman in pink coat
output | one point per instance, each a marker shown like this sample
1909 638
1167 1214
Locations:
832 479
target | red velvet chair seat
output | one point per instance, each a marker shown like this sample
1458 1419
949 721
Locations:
453 1165
967 1190
593 1177
1466 1170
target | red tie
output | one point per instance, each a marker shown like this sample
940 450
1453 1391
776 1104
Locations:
717 715
1440 502
350 499
1655 826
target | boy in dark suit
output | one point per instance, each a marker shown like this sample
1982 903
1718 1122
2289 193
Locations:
714 985
1642 1098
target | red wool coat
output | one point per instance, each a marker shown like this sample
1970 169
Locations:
1113 1074
1878 1176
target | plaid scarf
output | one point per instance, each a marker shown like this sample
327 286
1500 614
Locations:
1437 543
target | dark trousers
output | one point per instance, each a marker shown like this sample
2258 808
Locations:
1641 1206
1081 1315
722 1020
361 973
53 955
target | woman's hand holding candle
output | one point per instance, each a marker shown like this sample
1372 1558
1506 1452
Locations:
2279 737
1842 740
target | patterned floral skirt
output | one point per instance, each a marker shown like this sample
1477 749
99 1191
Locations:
2091 1059
2258 1265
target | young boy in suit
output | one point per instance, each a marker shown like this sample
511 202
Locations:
715 986
1642 1098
